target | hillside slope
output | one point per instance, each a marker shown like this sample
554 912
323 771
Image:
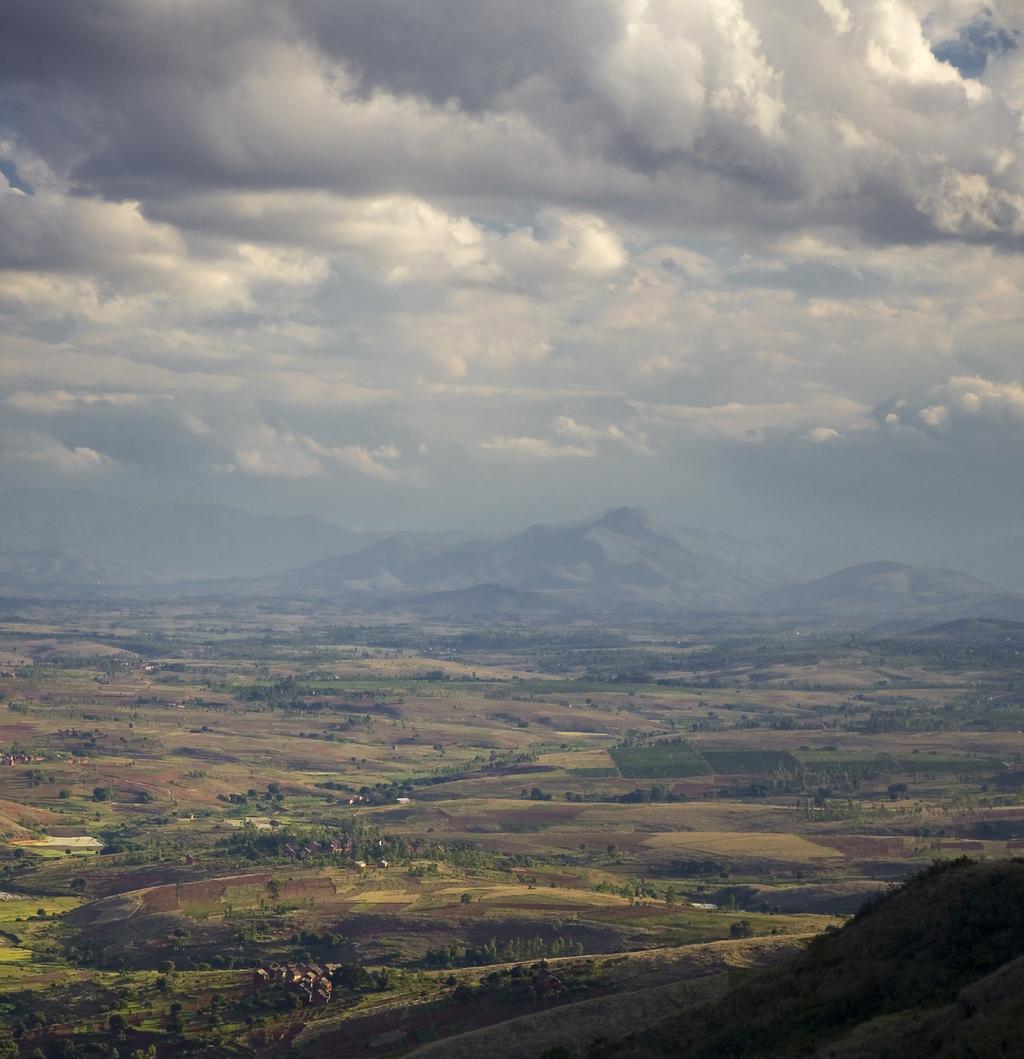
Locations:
42 568
933 969
887 590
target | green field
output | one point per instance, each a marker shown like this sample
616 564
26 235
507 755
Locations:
671 759
749 761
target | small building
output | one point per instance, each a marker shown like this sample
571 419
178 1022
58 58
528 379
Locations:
310 982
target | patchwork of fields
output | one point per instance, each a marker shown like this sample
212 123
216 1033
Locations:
429 822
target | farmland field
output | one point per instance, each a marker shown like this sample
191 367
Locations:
671 759
758 762
430 822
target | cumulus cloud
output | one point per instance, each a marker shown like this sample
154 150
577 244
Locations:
839 123
267 451
630 437
34 448
962 403
977 396
247 244
822 435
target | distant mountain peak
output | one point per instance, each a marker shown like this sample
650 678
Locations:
613 558
627 520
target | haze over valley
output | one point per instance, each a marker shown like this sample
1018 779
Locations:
67 542
511 529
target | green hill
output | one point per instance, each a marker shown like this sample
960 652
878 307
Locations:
931 970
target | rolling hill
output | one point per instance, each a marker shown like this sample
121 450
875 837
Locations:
143 540
974 630
40 569
885 591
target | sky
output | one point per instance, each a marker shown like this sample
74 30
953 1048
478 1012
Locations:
752 264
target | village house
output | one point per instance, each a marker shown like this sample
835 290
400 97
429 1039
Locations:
310 982
18 759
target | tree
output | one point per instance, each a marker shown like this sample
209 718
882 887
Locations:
352 976
118 1023
101 794
466 899
741 929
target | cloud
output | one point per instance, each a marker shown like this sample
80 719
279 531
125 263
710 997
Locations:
961 404
706 111
47 453
736 421
823 435
47 402
977 396
289 252
267 451
629 437
537 448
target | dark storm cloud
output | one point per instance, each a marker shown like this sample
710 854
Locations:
453 50
683 114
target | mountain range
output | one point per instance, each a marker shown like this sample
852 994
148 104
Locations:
83 537
620 557
622 561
